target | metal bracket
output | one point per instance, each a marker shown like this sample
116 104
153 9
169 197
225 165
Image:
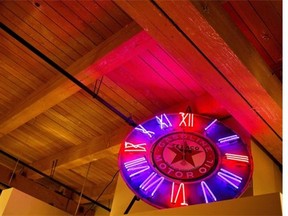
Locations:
97 86
135 198
53 168
188 109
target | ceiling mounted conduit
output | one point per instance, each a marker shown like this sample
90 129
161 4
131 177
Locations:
128 120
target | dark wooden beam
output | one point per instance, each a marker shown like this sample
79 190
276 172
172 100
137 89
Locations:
38 191
113 52
76 156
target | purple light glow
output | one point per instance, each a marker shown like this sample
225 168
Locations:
151 165
228 138
206 128
205 188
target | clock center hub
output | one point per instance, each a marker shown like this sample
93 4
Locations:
184 156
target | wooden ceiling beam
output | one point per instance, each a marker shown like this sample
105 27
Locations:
95 193
236 96
75 156
38 191
90 189
211 29
113 52
101 147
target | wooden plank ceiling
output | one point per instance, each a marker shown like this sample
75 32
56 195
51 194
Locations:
219 58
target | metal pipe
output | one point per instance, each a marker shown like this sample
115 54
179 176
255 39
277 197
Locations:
12 176
55 181
128 120
82 190
3 184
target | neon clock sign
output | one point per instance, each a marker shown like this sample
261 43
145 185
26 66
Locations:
182 159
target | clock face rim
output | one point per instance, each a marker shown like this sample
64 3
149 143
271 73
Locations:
217 168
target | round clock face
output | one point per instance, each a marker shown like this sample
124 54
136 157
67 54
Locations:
183 159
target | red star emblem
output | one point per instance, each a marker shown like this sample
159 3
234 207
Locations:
184 154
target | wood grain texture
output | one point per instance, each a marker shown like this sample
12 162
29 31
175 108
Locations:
38 191
56 89
252 81
159 27
144 58
82 154
262 32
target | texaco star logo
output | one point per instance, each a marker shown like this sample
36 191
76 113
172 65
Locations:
184 156
184 153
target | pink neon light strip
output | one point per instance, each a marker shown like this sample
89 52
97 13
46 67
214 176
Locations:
206 128
205 187
191 123
162 123
148 180
237 157
135 162
226 174
181 186
144 131
190 119
130 147
229 138
134 165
